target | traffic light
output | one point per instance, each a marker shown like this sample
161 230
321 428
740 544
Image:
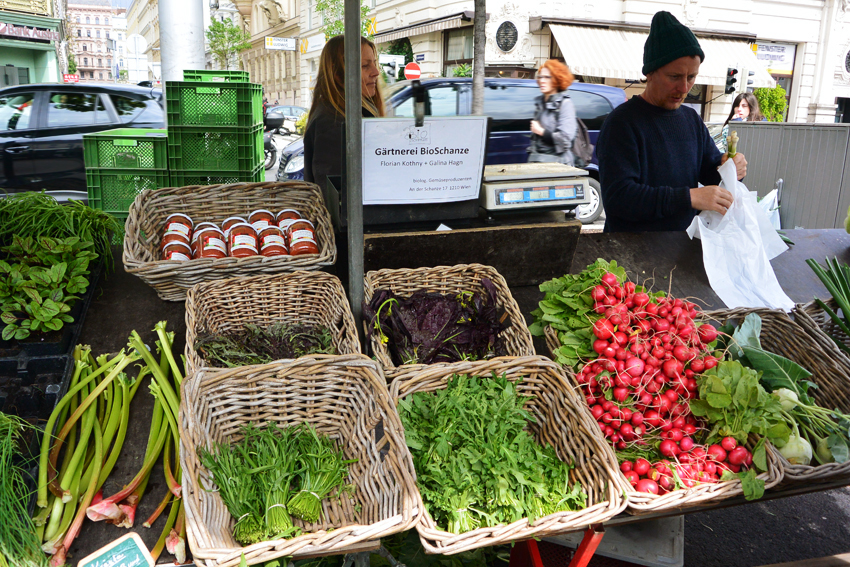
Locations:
746 81
392 71
731 79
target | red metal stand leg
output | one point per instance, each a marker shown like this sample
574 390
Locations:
588 546
525 554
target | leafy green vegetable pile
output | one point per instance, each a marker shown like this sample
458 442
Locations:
40 283
272 473
38 214
794 423
19 542
259 345
476 464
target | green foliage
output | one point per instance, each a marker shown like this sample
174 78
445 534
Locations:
476 463
333 17
399 47
772 103
72 64
227 39
301 124
124 75
462 70
37 292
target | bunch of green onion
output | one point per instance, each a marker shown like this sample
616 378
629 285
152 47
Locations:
272 474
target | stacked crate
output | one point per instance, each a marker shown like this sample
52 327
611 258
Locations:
215 129
121 163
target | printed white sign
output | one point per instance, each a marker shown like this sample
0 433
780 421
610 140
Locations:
281 43
777 58
441 162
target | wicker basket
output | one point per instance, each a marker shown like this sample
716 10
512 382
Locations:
645 503
804 342
342 396
562 421
310 298
171 279
447 280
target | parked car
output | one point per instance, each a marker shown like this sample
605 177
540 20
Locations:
42 127
510 103
291 114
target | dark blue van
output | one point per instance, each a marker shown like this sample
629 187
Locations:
509 102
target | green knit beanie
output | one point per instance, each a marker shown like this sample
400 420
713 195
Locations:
668 40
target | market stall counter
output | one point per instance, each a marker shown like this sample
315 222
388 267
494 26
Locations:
123 303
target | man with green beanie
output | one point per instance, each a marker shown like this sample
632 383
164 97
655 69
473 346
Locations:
653 152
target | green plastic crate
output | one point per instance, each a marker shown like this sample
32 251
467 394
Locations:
126 148
216 76
187 178
198 103
114 190
192 148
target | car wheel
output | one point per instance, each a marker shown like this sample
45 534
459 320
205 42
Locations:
591 212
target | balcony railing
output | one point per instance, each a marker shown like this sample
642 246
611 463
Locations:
41 7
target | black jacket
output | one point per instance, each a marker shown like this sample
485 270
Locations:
324 144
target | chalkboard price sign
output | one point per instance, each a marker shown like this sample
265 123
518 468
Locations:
506 36
127 551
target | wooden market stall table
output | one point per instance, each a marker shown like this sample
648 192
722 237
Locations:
123 303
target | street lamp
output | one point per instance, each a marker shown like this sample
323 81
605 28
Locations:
213 5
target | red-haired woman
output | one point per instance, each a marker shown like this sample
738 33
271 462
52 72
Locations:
554 126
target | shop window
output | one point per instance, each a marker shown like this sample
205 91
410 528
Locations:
695 99
457 45
71 109
15 111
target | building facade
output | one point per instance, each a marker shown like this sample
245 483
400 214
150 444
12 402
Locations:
143 58
90 23
119 46
30 42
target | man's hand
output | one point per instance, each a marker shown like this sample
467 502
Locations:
711 198
536 128
740 164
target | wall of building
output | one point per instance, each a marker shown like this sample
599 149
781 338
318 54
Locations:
91 26
143 19
38 57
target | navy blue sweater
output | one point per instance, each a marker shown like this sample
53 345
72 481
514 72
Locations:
649 159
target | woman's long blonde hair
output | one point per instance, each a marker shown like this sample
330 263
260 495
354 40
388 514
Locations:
330 81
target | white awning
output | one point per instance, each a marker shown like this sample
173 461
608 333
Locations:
618 54
428 26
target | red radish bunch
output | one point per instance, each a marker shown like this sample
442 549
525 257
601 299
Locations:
649 352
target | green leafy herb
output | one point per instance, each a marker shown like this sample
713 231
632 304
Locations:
752 486
476 463
259 345
37 292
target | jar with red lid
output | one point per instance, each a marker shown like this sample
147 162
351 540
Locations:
178 251
272 242
209 243
178 222
229 222
173 236
302 238
242 240
261 219
288 214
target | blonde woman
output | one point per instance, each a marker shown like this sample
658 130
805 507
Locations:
324 138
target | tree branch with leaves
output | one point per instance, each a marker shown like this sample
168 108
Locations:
227 40
333 18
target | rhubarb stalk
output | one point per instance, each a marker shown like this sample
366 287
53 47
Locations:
166 531
175 542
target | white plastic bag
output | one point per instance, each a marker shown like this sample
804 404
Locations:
737 248
770 205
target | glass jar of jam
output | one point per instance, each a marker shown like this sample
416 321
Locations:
242 240
229 222
173 236
287 214
272 242
261 219
302 238
209 243
178 251
199 226
178 222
